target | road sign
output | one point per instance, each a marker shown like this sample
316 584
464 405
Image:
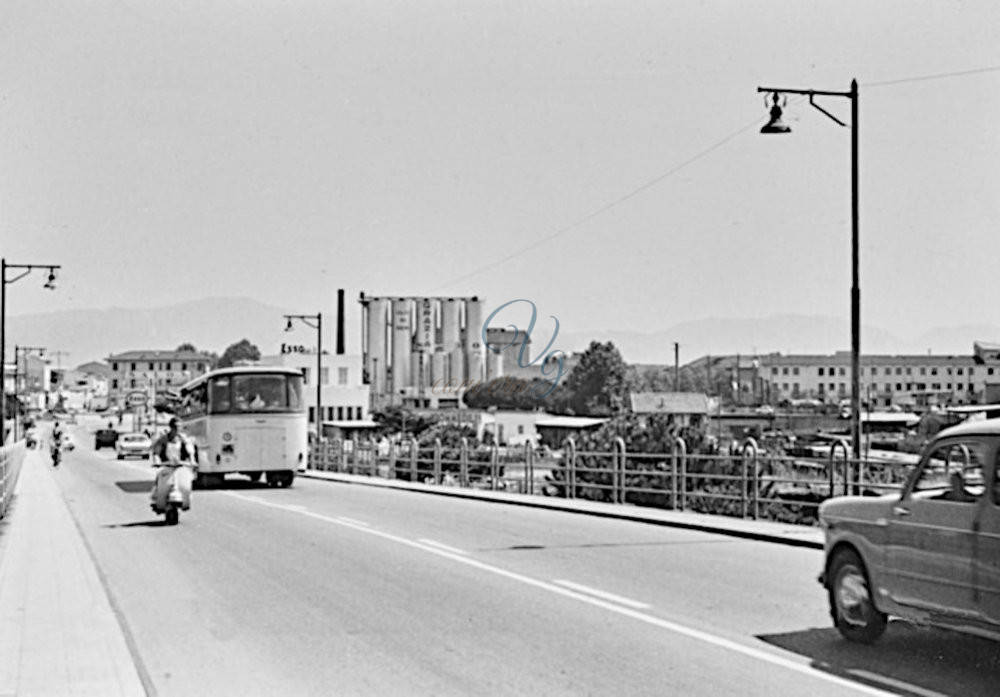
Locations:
136 399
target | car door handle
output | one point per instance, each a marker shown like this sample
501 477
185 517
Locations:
901 510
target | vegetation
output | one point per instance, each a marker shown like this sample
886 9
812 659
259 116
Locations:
242 350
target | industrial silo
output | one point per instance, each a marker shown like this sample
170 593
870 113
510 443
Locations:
402 340
474 357
377 357
451 337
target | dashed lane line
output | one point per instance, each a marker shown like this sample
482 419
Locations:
440 545
801 668
602 594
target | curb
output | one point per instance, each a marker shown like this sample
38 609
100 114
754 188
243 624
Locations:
793 536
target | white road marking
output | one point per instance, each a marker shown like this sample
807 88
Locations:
602 594
352 521
439 545
895 684
801 666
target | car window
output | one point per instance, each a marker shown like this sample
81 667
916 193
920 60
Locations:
953 471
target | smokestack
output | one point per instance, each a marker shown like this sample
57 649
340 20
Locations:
340 321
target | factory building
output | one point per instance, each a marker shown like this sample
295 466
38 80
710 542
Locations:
411 344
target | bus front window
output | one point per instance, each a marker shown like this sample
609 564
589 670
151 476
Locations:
262 393
219 400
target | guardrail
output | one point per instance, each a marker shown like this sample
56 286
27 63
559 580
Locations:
746 482
11 457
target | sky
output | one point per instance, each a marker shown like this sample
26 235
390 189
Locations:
599 158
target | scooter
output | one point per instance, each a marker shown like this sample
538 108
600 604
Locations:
172 490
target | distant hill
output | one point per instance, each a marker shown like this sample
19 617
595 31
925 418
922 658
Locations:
215 323
787 334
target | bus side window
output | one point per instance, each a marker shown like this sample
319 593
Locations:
219 401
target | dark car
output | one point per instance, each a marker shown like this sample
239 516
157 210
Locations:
930 554
105 438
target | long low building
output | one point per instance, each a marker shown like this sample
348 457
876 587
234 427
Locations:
886 380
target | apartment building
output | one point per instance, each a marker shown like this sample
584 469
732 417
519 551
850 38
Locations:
151 371
886 380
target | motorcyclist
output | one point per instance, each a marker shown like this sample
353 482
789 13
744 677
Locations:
56 444
172 451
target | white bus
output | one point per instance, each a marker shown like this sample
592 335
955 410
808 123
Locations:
250 420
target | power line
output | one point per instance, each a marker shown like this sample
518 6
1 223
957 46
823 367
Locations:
604 209
936 76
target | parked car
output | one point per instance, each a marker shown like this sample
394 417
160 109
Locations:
931 554
105 438
134 445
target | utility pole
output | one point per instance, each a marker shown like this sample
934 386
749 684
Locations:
677 367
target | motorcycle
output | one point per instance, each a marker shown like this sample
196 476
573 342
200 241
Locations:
172 489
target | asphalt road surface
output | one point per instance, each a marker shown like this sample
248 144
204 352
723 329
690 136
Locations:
336 589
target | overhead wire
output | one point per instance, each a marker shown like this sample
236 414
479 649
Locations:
603 209
935 76
674 170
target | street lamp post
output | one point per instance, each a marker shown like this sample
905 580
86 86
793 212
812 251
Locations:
18 352
24 269
318 326
775 125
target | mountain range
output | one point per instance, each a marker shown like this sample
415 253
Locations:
215 323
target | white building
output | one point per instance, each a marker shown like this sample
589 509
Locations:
345 398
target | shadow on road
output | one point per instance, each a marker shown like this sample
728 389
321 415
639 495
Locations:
906 660
161 523
136 486
143 486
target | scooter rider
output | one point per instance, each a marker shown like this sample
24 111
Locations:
56 444
172 450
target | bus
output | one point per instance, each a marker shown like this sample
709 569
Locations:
249 420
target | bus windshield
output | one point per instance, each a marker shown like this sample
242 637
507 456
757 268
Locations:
255 393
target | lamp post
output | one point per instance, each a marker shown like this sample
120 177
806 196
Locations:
18 352
24 269
318 326
776 125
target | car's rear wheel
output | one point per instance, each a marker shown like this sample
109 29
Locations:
851 604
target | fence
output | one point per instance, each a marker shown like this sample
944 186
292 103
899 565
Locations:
745 482
11 457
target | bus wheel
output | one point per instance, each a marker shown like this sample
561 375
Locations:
254 476
285 480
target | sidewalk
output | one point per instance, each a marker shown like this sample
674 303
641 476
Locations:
762 530
58 632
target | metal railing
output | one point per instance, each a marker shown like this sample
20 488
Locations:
745 482
11 457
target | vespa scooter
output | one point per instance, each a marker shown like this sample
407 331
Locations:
172 488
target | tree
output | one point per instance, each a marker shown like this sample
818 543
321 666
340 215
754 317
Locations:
598 384
187 346
395 420
242 350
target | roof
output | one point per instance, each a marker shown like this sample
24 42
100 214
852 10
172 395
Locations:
889 417
157 355
243 370
669 402
569 422
987 427
972 408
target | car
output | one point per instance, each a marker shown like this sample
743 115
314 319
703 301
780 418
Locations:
105 438
929 554
67 441
134 445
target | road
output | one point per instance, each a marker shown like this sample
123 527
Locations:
329 588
